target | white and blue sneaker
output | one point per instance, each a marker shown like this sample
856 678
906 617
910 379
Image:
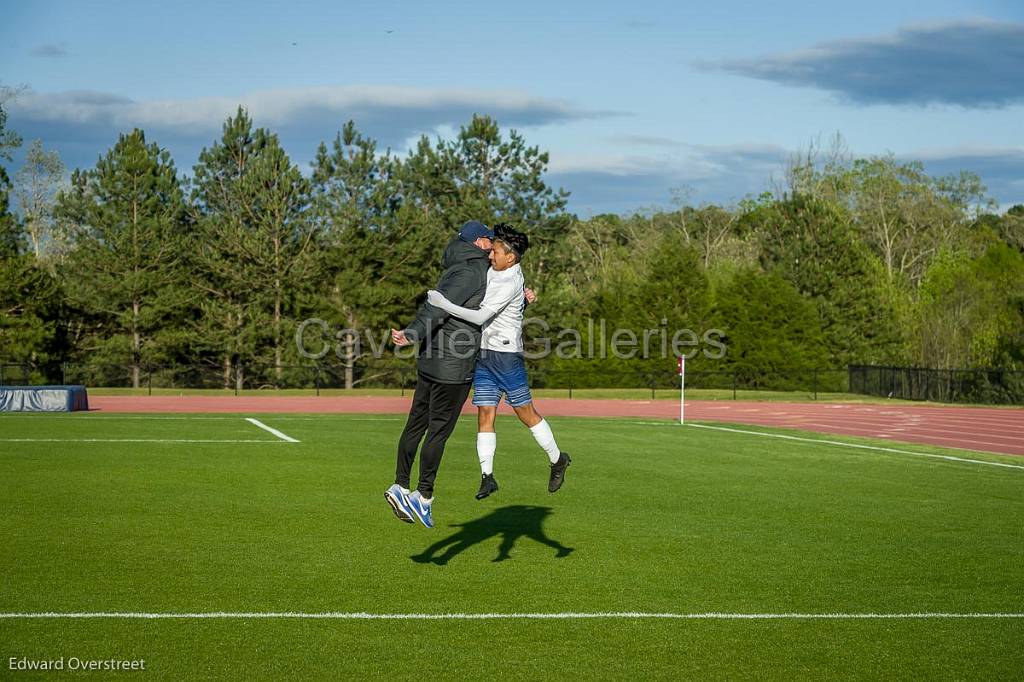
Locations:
399 502
421 509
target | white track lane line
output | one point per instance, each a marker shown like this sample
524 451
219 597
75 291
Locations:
625 615
1017 436
908 432
858 446
282 436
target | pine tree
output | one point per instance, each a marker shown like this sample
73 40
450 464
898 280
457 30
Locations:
10 230
769 328
811 243
499 179
224 327
258 242
30 307
367 248
124 271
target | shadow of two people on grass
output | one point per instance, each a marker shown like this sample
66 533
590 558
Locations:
511 523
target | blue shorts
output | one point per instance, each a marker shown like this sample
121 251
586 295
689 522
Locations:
498 373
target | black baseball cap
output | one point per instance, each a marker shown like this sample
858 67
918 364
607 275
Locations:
473 230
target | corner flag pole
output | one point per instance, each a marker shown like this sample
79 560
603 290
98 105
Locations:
682 387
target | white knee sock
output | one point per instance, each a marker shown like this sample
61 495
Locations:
542 434
486 443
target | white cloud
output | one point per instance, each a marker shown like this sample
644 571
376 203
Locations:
610 164
689 162
286 107
82 125
617 182
726 173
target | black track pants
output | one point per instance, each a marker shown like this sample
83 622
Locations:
435 410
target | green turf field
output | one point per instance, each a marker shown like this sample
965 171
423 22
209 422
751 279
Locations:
108 513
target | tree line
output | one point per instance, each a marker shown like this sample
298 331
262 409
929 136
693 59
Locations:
133 263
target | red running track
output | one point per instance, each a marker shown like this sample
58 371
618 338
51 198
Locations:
999 430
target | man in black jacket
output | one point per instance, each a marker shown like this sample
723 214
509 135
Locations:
444 370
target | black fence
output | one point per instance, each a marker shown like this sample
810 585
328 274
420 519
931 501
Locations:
236 378
727 383
983 386
321 377
908 383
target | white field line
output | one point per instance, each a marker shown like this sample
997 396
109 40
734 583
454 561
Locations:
92 417
132 440
347 416
334 615
282 436
277 417
856 445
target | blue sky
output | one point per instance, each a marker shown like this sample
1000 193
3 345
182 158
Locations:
634 101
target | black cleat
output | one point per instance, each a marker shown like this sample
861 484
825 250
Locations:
487 486
558 472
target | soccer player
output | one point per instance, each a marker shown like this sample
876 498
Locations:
501 368
444 372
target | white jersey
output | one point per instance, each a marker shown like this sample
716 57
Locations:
500 313
506 297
